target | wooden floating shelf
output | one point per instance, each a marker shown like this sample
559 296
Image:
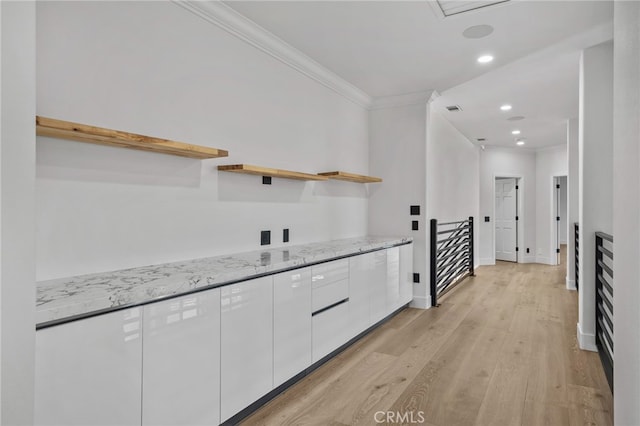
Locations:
97 135
265 171
351 177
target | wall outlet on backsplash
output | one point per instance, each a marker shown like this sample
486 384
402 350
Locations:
265 238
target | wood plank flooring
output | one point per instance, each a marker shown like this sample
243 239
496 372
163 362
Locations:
501 350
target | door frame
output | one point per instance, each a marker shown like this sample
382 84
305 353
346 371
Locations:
520 255
554 225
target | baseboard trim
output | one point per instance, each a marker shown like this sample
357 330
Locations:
528 259
571 284
544 260
421 302
586 341
487 262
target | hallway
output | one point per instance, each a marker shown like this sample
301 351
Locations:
500 350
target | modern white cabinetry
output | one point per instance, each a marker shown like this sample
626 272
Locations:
291 324
378 284
181 361
204 357
393 279
406 273
330 283
330 330
246 364
89 372
361 270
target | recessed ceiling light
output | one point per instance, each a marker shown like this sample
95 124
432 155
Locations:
520 142
515 132
485 59
478 31
505 107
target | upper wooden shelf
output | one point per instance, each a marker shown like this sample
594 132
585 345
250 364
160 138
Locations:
351 177
265 171
101 136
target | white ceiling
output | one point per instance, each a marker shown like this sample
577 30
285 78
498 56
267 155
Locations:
395 47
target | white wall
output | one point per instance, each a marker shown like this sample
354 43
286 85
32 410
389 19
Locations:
506 162
17 248
626 216
574 191
596 173
156 69
398 153
453 166
550 162
562 208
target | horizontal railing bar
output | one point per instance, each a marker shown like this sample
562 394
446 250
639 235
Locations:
450 248
605 283
605 300
606 251
461 256
452 223
446 255
605 314
607 352
452 274
605 267
605 332
605 236
442 288
448 231
441 261
457 237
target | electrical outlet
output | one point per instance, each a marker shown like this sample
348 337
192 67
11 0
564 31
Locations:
265 238
285 235
416 277
266 180
527 249
414 225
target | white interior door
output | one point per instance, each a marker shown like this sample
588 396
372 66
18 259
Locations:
505 220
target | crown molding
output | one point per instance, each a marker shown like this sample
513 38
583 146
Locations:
225 17
406 99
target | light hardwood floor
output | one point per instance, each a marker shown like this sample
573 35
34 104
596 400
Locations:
501 350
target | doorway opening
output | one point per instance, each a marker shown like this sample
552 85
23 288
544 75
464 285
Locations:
506 218
559 218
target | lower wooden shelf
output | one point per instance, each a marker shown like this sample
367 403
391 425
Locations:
265 171
351 177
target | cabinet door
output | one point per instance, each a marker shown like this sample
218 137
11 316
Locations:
246 344
379 287
406 273
330 330
181 368
393 279
291 324
361 270
89 372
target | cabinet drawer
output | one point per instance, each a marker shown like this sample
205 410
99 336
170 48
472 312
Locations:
328 294
329 272
330 330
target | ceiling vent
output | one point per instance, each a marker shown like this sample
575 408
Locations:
481 139
453 108
454 7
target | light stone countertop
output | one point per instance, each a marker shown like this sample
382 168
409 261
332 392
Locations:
63 299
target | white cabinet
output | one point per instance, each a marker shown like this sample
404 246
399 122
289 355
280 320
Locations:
406 273
330 330
291 324
330 283
378 283
393 279
181 361
361 270
89 372
246 344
